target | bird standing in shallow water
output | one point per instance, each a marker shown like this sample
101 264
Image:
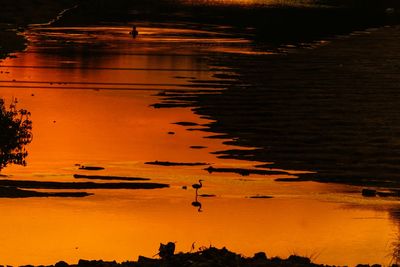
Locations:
134 32
197 186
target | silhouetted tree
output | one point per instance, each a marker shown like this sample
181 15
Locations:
15 133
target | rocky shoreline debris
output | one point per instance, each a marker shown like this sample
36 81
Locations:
205 257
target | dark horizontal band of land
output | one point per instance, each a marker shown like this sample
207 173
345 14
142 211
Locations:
169 163
101 177
13 192
201 83
100 68
194 89
79 185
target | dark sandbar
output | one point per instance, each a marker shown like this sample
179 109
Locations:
186 123
243 172
13 192
79 185
168 163
101 177
91 168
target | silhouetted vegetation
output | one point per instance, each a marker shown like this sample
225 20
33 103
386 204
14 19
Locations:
210 257
15 134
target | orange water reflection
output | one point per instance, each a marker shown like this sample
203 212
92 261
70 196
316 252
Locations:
119 130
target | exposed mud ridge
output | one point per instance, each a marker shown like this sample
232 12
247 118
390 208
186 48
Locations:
104 177
79 185
13 192
244 172
169 163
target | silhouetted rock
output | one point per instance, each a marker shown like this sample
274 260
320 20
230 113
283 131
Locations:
260 256
207 257
295 259
61 264
166 251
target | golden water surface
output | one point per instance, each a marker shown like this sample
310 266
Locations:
90 92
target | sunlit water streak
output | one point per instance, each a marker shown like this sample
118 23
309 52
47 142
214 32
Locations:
119 130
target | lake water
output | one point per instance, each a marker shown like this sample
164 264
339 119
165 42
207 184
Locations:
90 92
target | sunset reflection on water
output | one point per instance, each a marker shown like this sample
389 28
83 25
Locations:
93 107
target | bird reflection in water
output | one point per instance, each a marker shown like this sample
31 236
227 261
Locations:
197 203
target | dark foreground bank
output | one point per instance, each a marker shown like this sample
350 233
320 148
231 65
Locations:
209 257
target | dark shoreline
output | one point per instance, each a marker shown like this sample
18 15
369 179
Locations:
206 257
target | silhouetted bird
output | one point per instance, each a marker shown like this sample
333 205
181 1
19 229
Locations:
134 32
198 186
197 204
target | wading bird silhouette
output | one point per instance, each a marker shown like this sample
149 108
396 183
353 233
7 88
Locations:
197 186
134 32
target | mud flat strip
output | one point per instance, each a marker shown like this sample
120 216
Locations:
186 123
168 163
91 168
198 147
79 185
260 197
13 192
243 172
101 177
